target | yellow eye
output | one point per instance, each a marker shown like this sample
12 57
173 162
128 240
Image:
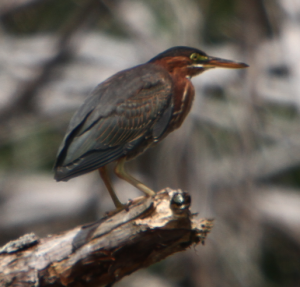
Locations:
198 57
194 56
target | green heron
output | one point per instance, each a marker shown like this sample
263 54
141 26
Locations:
131 111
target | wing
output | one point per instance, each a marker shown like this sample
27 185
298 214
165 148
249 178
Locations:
115 119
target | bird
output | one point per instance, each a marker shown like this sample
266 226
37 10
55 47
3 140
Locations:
131 111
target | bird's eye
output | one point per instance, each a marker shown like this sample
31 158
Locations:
194 56
198 57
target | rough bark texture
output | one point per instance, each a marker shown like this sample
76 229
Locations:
103 252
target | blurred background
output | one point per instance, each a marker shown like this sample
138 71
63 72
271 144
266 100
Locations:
237 153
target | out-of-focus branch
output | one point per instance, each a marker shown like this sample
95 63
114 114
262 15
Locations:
26 92
101 253
13 6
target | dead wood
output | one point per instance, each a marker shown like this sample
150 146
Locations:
101 253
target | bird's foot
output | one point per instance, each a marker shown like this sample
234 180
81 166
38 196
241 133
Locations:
126 206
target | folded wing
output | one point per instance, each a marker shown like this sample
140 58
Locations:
120 114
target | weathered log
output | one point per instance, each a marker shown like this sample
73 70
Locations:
101 253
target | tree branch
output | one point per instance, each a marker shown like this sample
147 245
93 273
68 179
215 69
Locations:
103 252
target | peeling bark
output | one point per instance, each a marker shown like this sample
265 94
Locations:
101 253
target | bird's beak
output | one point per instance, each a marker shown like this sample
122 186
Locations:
214 62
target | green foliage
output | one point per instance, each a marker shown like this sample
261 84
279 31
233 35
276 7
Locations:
34 151
47 16
280 260
218 25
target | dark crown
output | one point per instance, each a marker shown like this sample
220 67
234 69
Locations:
177 51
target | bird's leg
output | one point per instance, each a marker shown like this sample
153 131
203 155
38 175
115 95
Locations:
121 172
104 175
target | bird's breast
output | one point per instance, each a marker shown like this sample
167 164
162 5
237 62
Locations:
183 97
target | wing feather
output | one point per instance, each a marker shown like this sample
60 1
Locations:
117 116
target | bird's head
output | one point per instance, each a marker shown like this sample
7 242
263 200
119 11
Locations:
190 62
